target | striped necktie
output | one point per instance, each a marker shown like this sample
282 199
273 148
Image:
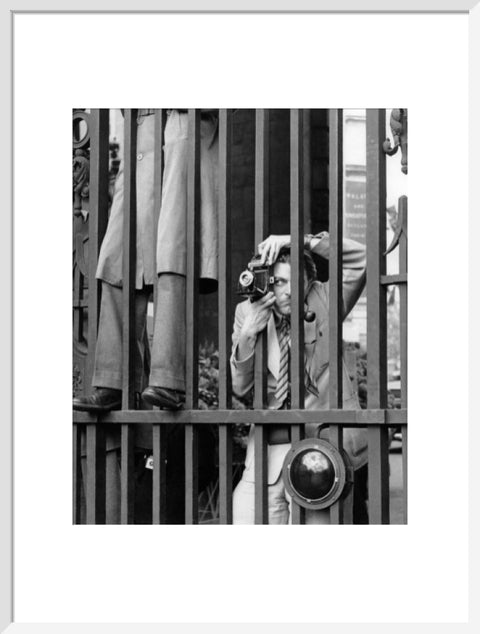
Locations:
281 392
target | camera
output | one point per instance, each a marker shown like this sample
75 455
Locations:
255 281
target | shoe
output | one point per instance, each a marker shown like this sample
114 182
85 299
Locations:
163 397
103 399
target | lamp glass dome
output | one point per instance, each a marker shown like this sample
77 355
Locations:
312 474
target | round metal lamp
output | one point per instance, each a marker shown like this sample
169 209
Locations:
316 474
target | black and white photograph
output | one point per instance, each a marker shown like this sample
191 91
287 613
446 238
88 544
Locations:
240 316
213 333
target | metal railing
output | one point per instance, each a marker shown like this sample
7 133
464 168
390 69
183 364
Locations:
377 417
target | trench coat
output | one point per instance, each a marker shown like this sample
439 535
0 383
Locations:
316 361
171 247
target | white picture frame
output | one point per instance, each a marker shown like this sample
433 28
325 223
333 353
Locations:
8 434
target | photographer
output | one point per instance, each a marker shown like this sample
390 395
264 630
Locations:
272 312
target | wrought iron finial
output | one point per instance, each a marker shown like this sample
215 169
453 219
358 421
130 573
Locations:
399 127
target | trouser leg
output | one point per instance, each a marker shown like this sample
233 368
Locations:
279 505
360 496
108 351
244 503
168 347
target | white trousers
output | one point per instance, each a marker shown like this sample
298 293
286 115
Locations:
279 505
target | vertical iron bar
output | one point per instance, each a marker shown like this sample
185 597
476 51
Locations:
261 475
95 487
224 314
262 126
77 472
403 268
335 259
159 163
127 489
335 276
127 479
342 511
191 474
307 171
297 362
378 486
225 465
97 225
159 432
77 311
262 130
159 491
95 492
111 481
224 259
193 250
129 258
193 259
297 353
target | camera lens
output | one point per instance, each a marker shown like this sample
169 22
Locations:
246 278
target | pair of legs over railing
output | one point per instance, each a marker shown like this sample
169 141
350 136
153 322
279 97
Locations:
151 243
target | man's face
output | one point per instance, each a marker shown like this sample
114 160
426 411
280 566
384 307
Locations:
282 287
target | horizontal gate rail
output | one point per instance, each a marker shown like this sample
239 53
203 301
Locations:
388 280
348 418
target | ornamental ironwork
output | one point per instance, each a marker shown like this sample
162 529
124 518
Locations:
399 127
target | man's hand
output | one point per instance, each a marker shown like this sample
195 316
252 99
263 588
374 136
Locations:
258 314
270 248
255 321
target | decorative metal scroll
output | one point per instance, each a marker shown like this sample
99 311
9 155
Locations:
81 161
400 225
81 191
399 127
81 173
80 186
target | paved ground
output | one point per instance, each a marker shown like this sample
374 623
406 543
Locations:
396 488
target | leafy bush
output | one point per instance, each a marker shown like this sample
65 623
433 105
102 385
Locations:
361 377
208 391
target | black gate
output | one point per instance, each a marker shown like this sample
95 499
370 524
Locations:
94 158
